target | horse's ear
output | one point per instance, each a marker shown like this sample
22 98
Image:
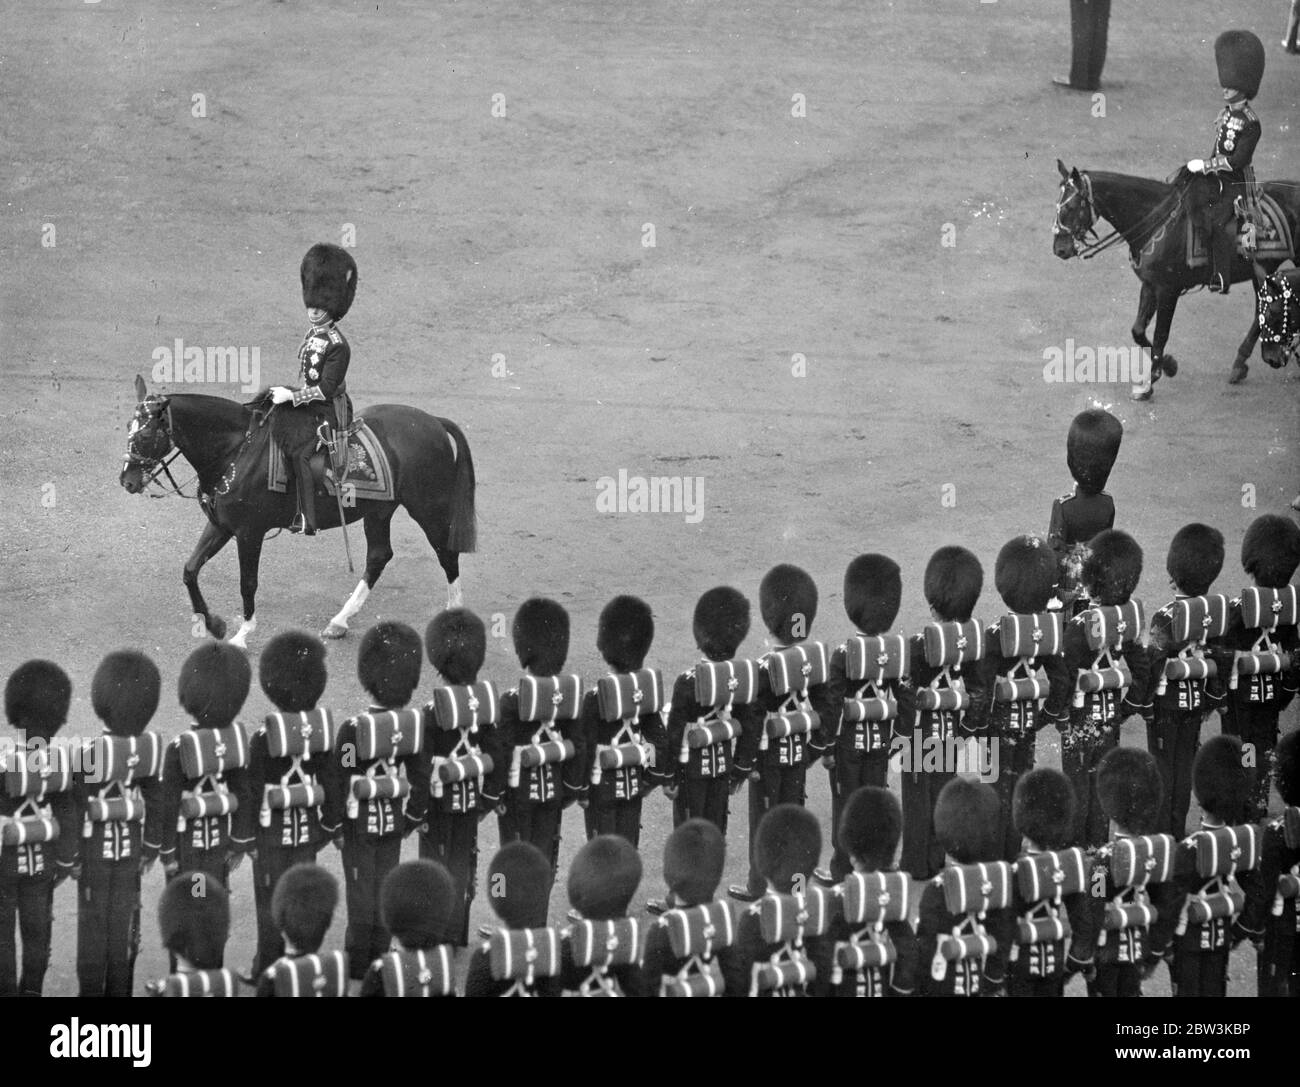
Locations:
1061 166
140 391
1074 176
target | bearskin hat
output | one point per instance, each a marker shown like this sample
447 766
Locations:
873 590
953 580
787 600
870 826
541 636
302 906
603 877
1091 448
329 279
1043 808
519 885
194 919
787 845
291 671
37 697
1270 551
1025 574
1239 56
456 642
1286 768
213 684
1130 789
694 856
721 622
1195 558
417 901
389 663
1113 567
1223 783
124 693
966 821
624 633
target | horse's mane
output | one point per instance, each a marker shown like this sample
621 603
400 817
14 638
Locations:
1148 186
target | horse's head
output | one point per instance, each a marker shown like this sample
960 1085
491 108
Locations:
1279 317
148 439
1075 213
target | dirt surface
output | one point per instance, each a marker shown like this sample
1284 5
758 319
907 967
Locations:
784 245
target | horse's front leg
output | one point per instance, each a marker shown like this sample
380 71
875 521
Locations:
1146 310
250 557
210 542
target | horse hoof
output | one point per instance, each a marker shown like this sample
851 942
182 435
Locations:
1169 365
216 626
334 632
1141 392
1238 373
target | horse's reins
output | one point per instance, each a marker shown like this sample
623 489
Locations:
1109 241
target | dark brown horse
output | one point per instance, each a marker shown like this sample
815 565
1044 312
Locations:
226 445
1279 317
1151 217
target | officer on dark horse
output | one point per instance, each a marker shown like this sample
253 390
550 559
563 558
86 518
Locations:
320 403
1151 216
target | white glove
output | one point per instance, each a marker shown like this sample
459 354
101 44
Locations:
281 395
1197 166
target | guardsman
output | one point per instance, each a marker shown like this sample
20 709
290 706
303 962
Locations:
329 283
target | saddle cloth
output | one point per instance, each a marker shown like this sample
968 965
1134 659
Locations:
1272 237
369 475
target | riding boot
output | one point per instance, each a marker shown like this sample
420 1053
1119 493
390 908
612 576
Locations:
305 522
1223 248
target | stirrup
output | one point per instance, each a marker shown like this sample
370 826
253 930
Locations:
299 526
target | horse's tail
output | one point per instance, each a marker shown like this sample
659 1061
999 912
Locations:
462 527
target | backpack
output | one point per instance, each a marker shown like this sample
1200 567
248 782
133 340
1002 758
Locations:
1108 629
1265 611
417 973
970 890
874 665
626 697
1027 639
870 900
1135 865
791 672
600 946
311 975
462 709
789 919
697 933
522 956
1043 880
296 736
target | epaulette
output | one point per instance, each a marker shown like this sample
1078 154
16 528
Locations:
1066 497
1248 112
335 336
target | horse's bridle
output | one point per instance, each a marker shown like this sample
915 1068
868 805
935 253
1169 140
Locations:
1068 193
1290 300
156 408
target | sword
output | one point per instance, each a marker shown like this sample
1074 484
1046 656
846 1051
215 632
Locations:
339 474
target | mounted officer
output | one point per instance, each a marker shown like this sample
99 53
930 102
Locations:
329 283
1228 173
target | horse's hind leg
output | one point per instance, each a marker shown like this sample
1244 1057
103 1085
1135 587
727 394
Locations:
379 550
1239 368
212 541
435 531
1166 303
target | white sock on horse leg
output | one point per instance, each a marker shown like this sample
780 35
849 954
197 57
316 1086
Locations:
353 605
240 637
454 597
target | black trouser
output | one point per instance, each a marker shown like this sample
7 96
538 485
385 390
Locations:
922 853
1278 965
621 817
777 784
30 901
538 824
1015 757
273 860
1089 20
1079 764
1255 724
108 925
1116 979
452 841
1019 983
852 771
703 798
1173 738
1198 973
297 431
366 861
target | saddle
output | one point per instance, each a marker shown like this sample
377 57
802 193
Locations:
353 454
1262 232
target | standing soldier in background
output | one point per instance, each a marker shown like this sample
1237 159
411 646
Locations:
1089 21
329 283
1228 173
